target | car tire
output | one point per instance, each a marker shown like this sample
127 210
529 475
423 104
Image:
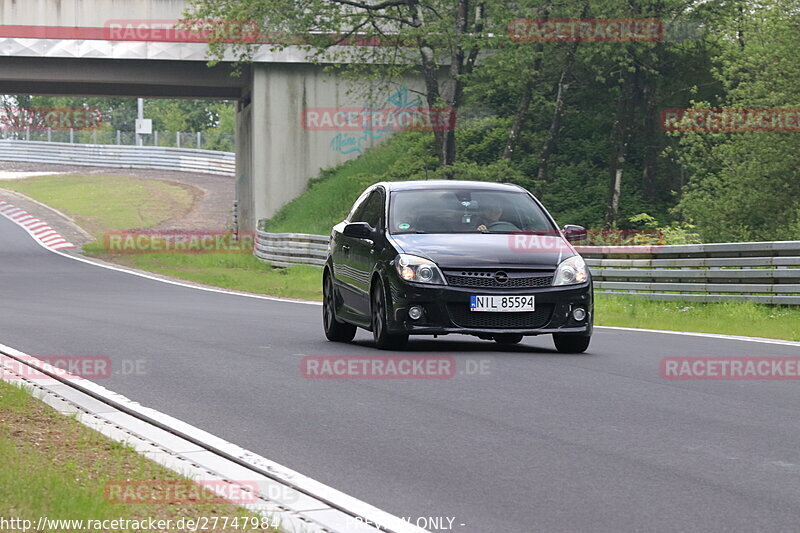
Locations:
566 343
383 339
508 338
334 330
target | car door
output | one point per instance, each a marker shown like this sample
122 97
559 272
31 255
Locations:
341 253
363 253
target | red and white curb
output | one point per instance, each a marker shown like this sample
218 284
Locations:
38 229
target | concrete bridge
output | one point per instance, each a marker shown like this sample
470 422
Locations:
130 48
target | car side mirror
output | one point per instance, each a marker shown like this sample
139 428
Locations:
359 230
574 233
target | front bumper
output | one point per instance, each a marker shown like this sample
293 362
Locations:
446 310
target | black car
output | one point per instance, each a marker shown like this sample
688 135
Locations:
439 257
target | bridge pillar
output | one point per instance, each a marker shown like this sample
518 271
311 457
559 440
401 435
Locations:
276 153
245 217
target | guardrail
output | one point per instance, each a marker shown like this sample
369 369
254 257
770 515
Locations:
114 156
763 272
287 249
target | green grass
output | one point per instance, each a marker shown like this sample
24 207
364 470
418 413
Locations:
100 203
329 198
730 318
45 491
55 467
13 399
242 272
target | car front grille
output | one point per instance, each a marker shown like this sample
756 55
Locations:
461 316
488 278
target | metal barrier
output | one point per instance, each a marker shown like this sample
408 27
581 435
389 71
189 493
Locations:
108 155
287 249
763 272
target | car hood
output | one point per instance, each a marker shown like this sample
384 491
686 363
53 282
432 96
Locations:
477 250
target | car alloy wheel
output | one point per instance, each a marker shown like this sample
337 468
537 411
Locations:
383 339
334 330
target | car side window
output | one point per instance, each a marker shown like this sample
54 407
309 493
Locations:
358 208
371 211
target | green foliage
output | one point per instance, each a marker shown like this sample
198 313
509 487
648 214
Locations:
746 186
328 198
729 53
676 233
216 119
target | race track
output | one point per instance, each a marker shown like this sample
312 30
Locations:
540 442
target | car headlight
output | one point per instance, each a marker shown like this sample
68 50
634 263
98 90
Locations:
418 269
571 271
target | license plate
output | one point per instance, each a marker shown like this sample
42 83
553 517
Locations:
504 304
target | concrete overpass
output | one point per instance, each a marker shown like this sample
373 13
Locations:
80 47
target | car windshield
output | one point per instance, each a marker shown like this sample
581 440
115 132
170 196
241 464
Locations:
465 211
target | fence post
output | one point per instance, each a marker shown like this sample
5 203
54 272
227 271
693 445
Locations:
199 139
119 137
71 136
94 136
178 139
155 138
27 133
49 135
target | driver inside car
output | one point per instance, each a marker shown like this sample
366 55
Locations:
492 214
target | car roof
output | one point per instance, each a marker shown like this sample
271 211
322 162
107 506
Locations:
416 185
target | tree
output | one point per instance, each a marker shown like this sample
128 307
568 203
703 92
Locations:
746 185
440 39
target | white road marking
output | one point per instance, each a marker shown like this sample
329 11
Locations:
307 302
297 502
709 335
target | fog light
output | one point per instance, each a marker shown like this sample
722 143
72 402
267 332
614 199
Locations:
415 312
579 313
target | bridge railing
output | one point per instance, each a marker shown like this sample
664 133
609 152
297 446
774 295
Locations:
114 156
763 272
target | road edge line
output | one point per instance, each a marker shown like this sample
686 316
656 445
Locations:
384 521
310 302
721 336
155 277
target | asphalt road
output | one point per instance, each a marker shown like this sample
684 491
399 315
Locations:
539 442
